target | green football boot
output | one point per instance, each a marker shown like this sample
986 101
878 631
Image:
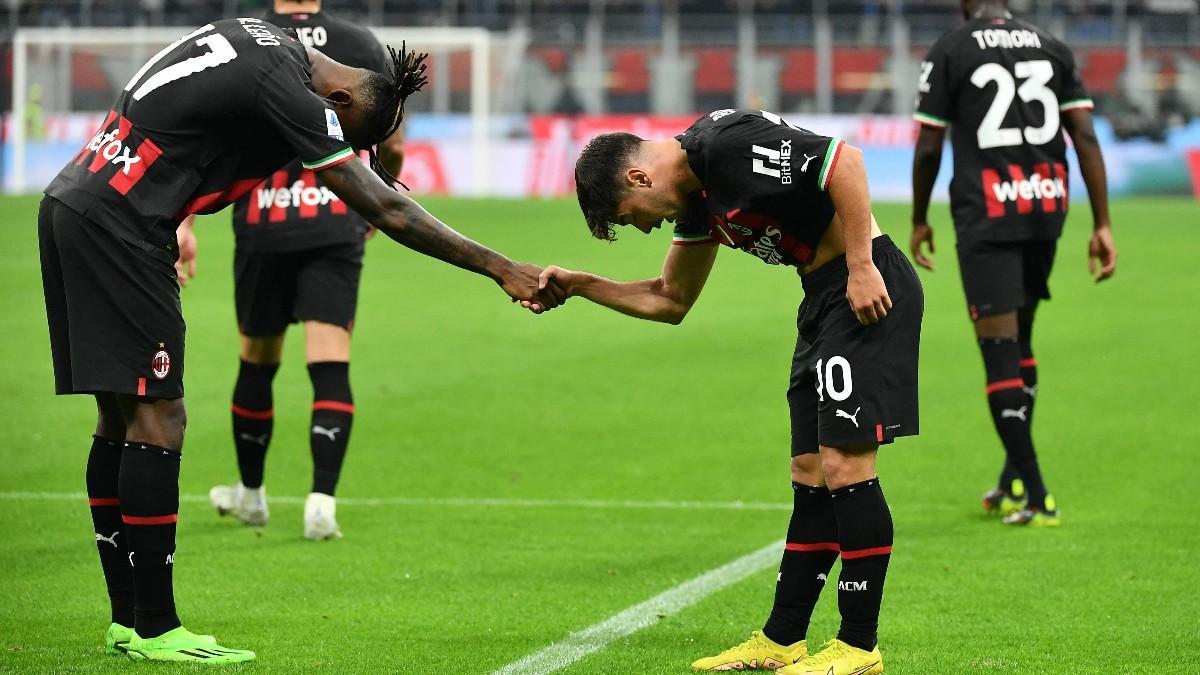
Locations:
182 645
116 641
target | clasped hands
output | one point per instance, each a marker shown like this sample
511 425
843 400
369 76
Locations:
538 289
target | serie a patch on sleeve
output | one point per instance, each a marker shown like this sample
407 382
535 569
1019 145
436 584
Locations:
333 126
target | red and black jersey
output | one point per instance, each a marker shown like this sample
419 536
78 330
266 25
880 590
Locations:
290 210
199 125
764 185
1001 84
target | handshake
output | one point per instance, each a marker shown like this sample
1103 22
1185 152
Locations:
537 289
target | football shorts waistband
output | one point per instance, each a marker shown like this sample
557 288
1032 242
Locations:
835 272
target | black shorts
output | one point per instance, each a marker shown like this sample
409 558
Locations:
852 384
275 289
113 310
1001 277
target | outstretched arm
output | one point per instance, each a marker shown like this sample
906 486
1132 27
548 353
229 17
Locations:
1101 248
403 220
927 160
666 298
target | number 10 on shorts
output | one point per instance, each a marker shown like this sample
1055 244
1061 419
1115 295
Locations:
826 382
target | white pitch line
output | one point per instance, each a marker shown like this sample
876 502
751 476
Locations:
464 501
596 637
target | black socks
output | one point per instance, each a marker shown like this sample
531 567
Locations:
332 416
864 526
103 470
149 494
811 549
1011 410
253 419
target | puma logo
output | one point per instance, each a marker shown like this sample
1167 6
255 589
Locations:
112 539
807 159
822 578
1032 391
258 440
331 434
1019 413
852 418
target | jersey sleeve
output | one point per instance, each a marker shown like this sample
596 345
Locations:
691 232
934 101
761 160
1073 95
301 117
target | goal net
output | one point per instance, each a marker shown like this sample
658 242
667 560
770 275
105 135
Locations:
66 79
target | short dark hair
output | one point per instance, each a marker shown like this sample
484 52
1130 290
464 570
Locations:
384 96
598 180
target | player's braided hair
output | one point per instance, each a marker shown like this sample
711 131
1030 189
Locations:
389 93
598 180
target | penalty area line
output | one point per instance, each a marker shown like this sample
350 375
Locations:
464 501
596 637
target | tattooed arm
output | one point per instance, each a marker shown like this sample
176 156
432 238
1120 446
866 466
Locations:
405 221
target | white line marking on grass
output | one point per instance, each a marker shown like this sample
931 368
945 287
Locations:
464 501
594 638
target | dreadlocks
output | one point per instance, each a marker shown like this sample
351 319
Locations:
388 92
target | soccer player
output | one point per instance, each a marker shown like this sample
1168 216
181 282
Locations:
1007 89
298 258
749 180
201 123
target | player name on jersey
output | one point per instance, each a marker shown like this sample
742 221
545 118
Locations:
1006 39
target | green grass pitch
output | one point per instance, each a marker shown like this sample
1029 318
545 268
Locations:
464 397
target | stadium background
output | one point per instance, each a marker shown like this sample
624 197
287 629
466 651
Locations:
513 480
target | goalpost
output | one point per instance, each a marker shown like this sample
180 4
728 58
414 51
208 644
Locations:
53 61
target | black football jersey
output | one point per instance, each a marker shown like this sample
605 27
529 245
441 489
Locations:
764 185
290 210
199 125
1001 84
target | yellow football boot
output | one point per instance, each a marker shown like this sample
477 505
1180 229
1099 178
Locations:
1005 503
837 658
1047 517
757 653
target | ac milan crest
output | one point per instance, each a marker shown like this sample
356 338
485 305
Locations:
160 365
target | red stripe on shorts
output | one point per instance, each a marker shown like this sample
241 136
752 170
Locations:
103 501
1029 362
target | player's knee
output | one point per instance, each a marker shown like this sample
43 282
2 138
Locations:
846 466
177 417
325 342
110 422
998 326
262 350
160 423
806 470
